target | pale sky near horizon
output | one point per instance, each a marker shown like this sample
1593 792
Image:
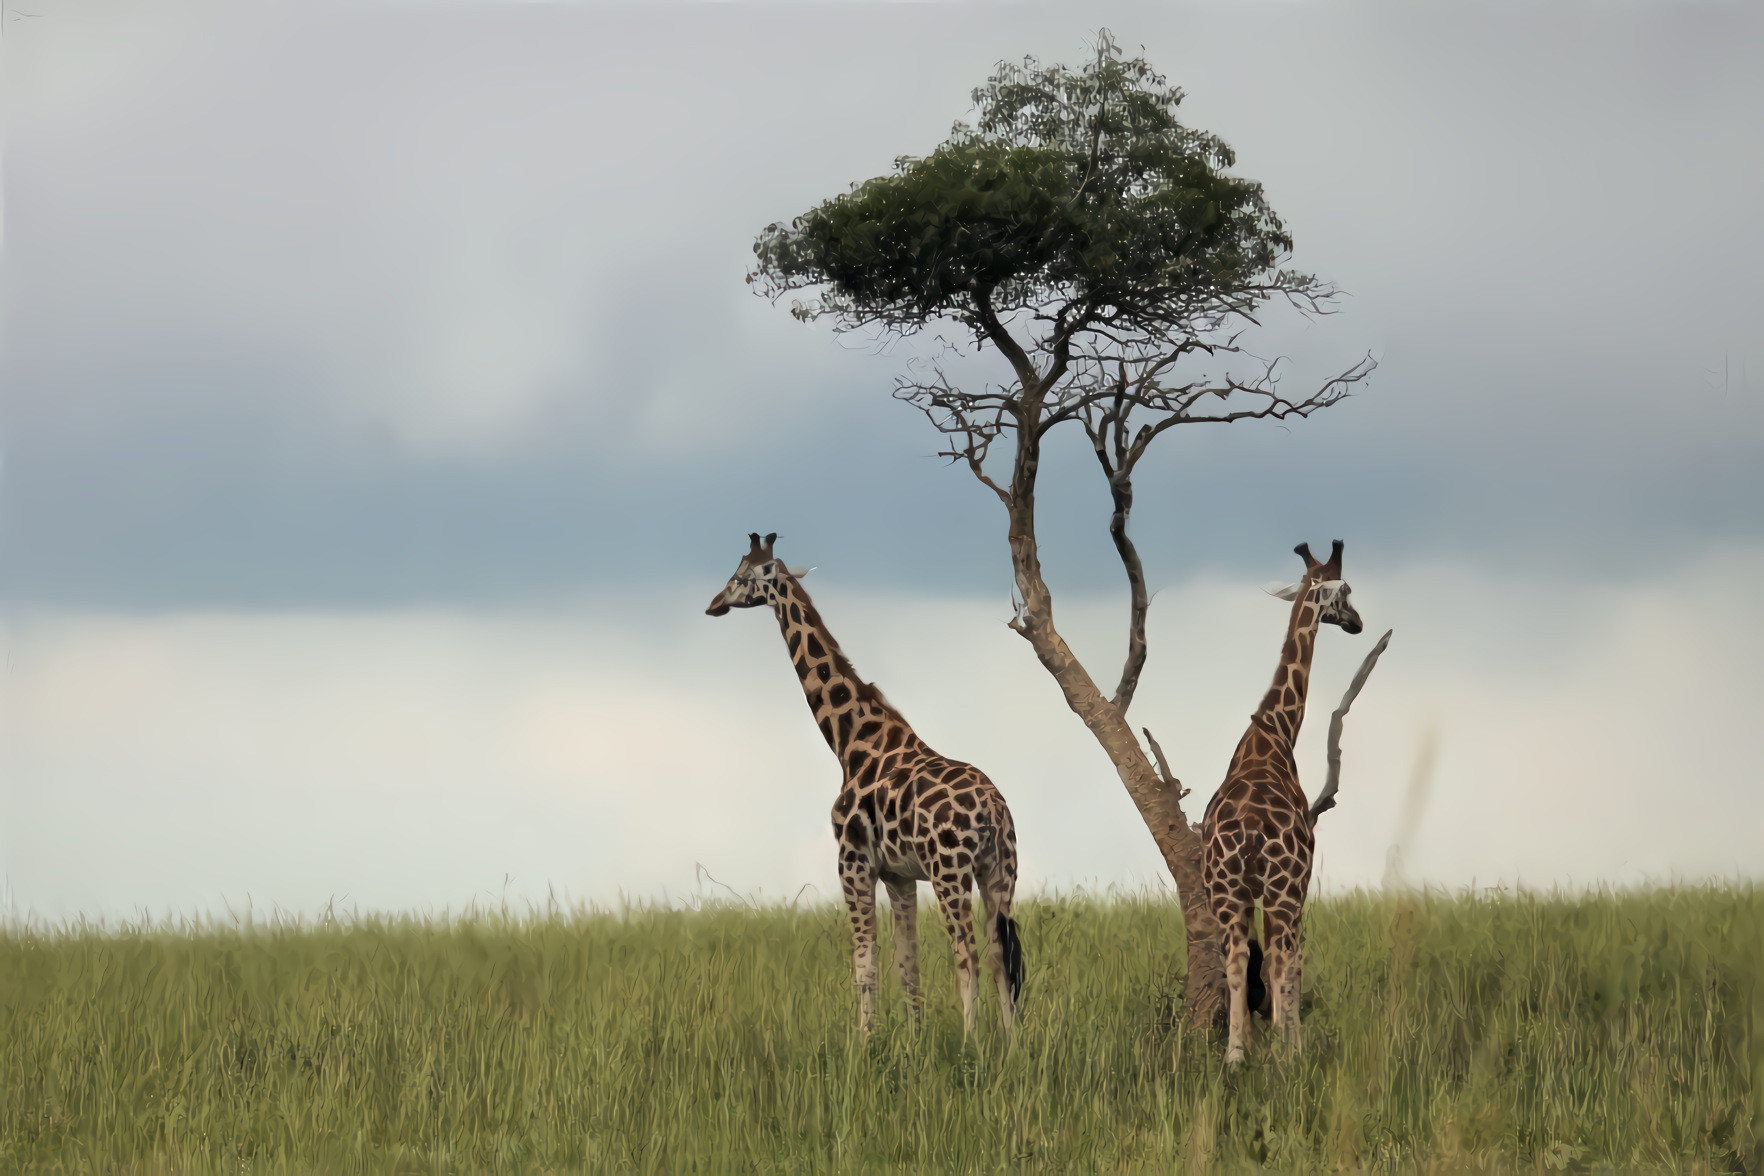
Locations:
381 402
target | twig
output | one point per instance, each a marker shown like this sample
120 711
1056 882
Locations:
1164 766
703 873
1326 798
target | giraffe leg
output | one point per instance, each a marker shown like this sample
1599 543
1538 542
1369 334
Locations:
1232 904
858 879
958 913
1285 968
1236 985
903 899
1283 903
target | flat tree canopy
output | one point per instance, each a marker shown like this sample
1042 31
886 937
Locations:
1076 194
1097 243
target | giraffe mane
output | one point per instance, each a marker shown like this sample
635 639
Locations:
863 690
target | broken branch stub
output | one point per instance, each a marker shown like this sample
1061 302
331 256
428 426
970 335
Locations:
1170 781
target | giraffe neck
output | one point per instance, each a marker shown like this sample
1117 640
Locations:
847 709
1283 708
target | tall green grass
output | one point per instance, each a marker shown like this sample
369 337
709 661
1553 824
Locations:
1487 1032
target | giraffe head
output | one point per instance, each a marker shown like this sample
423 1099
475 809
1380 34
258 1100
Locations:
755 578
1325 588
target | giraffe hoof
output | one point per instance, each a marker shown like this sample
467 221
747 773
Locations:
1234 1057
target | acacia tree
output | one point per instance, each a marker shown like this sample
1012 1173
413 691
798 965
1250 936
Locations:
1105 252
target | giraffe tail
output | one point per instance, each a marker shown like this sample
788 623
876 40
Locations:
1256 992
1255 843
1004 929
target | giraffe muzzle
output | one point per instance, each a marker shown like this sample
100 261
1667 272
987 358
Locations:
718 606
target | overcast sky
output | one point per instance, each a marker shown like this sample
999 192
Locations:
382 402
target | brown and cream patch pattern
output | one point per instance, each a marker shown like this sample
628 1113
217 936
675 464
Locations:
904 814
1257 842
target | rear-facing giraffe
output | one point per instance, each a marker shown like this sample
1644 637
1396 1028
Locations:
1257 838
904 813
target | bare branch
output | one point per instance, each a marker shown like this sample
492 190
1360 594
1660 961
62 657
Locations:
969 421
1108 439
1326 798
1005 342
1105 410
1164 766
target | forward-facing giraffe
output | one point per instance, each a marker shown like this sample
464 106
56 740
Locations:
905 814
1257 838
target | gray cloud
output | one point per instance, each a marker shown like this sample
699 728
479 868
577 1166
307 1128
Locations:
390 304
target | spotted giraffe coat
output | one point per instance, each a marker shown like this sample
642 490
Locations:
1257 842
904 813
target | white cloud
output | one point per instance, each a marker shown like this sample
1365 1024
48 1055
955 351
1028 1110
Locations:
607 748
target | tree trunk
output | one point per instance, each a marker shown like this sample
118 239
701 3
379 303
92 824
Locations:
1159 802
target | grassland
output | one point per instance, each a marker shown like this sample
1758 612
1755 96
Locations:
1486 1032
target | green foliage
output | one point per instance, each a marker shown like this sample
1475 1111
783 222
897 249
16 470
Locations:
1487 1032
1076 187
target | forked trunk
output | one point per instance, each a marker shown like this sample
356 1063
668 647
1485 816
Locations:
1159 801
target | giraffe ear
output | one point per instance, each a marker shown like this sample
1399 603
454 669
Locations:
1288 592
799 573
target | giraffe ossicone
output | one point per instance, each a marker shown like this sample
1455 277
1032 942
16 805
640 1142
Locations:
904 814
1257 837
